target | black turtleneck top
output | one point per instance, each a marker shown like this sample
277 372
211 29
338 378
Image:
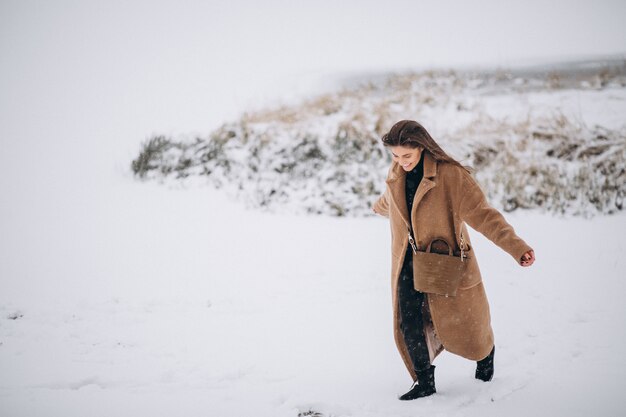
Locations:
413 179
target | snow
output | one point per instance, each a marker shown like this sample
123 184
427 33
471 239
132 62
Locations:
193 305
127 298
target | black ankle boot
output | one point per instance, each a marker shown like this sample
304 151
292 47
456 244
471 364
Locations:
423 386
484 367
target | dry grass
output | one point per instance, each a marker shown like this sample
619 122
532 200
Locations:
324 154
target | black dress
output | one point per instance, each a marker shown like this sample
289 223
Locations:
411 301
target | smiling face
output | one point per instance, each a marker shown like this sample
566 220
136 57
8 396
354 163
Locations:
406 157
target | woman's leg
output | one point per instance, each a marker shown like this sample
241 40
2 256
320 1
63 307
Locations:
484 367
412 326
411 320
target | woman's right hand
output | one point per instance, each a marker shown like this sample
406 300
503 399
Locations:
528 258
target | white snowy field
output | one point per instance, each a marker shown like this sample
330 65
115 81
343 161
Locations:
176 301
130 299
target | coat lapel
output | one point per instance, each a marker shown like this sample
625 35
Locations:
396 181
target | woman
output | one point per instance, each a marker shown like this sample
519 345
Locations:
430 195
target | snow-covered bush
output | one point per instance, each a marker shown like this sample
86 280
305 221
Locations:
325 156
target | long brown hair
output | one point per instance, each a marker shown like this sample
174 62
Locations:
410 134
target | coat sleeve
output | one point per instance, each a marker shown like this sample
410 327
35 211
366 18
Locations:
476 212
381 205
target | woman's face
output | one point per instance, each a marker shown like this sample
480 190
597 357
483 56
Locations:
406 157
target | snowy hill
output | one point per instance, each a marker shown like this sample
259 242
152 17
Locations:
551 138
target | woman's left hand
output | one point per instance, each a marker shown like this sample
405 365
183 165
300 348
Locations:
528 258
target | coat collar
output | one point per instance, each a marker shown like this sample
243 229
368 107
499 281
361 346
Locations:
396 183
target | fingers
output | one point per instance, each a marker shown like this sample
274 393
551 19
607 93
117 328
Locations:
528 258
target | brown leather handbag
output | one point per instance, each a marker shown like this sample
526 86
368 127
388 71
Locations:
437 270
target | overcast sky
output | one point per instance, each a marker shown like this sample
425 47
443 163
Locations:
166 63
318 34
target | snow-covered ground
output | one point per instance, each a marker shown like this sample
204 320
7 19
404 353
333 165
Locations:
180 302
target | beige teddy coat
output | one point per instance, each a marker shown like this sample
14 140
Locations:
446 199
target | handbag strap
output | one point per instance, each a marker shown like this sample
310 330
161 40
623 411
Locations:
462 246
461 243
